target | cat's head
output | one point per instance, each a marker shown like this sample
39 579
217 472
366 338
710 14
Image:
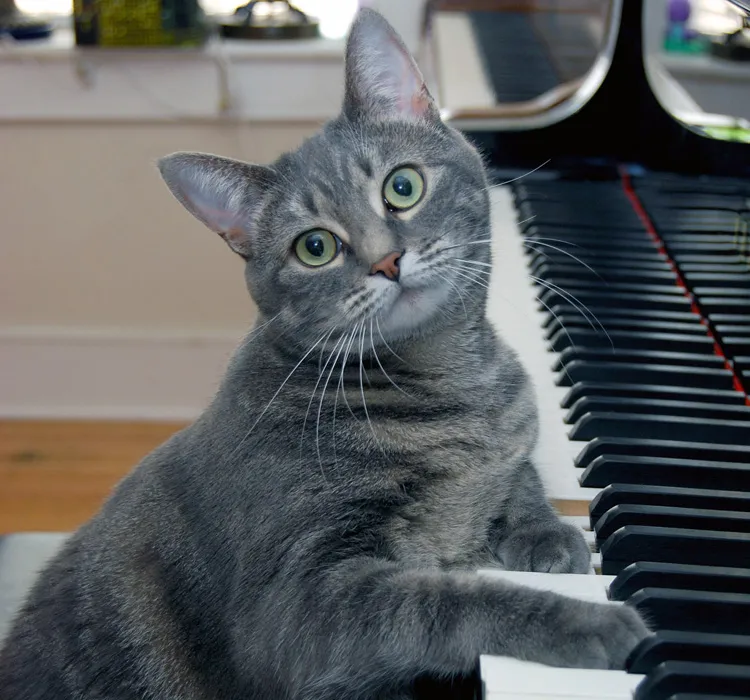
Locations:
366 224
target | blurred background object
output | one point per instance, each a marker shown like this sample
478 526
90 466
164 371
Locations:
139 23
20 26
269 20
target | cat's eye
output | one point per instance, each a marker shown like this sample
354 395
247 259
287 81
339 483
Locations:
403 188
317 247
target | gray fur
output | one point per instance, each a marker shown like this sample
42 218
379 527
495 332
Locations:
314 533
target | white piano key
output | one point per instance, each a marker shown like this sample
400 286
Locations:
505 679
582 586
513 310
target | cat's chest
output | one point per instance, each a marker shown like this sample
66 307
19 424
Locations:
447 518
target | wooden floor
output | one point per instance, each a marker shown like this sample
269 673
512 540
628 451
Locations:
54 475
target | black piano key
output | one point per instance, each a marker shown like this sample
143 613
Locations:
675 680
714 279
677 496
662 206
701 237
735 293
702 647
668 516
669 449
663 544
678 247
603 314
583 390
632 373
696 611
571 240
632 340
579 287
647 574
619 300
739 319
658 427
595 259
563 214
725 305
730 268
729 329
628 324
559 272
691 409
736 345
666 471
631 356
687 260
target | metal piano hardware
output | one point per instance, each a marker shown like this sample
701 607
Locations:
656 461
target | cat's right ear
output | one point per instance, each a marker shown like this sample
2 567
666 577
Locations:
224 194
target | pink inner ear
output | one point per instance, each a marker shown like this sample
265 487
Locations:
420 103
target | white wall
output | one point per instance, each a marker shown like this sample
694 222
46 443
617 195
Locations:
114 301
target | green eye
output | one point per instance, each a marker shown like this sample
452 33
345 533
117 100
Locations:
316 248
403 188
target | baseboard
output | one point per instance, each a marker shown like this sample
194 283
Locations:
110 373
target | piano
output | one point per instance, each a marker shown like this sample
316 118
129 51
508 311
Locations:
621 275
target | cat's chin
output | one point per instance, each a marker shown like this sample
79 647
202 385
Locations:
412 309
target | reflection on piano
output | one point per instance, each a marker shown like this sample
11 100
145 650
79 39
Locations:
622 276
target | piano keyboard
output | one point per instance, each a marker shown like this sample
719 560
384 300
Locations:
644 415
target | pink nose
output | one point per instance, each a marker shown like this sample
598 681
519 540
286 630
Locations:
388 266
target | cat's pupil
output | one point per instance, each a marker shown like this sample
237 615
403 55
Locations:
402 186
315 245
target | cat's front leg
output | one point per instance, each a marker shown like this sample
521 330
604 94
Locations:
369 629
530 535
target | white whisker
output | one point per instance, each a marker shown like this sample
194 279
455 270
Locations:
461 245
278 391
382 369
315 389
473 280
520 177
528 243
385 342
343 367
460 296
320 405
577 303
362 388
473 262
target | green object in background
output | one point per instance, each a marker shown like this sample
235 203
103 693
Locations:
696 45
139 23
728 133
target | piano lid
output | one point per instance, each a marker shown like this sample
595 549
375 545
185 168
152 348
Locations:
630 92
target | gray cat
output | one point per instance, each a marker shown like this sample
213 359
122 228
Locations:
314 533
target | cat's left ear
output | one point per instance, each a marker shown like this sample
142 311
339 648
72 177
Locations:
382 79
224 194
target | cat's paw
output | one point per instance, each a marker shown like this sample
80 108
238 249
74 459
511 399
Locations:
598 636
552 547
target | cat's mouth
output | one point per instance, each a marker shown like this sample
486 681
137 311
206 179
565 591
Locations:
407 308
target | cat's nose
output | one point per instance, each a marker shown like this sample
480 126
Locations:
388 266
